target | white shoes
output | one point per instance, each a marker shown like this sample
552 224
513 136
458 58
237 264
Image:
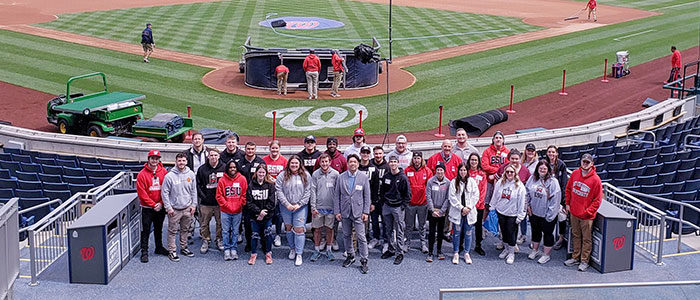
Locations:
544 259
521 239
455 258
510 258
278 241
533 254
467 258
292 253
298 260
335 246
373 243
503 254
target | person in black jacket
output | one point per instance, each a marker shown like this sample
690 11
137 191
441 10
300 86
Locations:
232 152
207 179
378 167
260 205
396 194
247 166
197 155
147 42
309 155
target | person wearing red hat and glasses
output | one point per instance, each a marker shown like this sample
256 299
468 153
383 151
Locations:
358 140
148 184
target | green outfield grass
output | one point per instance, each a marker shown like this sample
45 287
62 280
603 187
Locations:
218 29
465 85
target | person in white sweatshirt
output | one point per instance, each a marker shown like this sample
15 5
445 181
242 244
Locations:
509 200
463 195
543 205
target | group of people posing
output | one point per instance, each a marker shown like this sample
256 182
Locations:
374 200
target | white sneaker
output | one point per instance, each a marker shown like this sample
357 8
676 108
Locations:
335 246
503 254
311 97
521 239
298 261
278 241
533 254
227 255
516 249
499 245
467 258
345 254
234 255
373 243
455 258
544 259
385 247
510 258
292 253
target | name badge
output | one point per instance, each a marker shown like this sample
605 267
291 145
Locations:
219 174
371 169
453 168
255 165
409 174
436 188
358 187
236 184
329 184
387 181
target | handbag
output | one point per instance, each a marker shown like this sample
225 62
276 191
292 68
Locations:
491 223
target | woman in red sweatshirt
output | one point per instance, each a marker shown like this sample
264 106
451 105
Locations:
230 194
493 157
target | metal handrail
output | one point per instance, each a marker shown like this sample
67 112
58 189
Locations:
35 207
637 131
685 141
9 247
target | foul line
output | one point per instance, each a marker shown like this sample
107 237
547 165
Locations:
672 6
634 34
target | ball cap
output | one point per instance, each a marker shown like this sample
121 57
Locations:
147 24
365 148
359 131
530 146
440 165
309 138
587 157
154 153
417 153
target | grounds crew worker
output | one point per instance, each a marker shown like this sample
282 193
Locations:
147 42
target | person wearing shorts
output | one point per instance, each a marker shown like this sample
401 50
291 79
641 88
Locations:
147 42
321 202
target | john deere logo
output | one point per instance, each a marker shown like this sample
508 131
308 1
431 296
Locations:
136 109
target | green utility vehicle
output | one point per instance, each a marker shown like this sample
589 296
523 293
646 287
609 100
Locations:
117 113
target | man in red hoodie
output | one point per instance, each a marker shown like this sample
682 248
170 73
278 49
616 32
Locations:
584 192
449 159
675 65
491 160
418 175
148 183
312 65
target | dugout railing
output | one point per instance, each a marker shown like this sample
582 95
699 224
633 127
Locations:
684 83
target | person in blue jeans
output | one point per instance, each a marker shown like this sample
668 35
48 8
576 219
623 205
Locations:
260 205
231 196
463 195
293 190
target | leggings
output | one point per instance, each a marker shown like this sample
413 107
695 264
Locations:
540 228
509 229
435 228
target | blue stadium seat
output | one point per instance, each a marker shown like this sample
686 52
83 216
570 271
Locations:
599 167
652 169
29 193
45 161
633 163
602 174
670 166
21 158
635 188
646 180
652 152
634 172
30 167
85 159
135 168
602 159
651 189
108 161
623 182
691 185
695 153
26 176
66 163
61 194
622 156
610 143
683 175
8 183
53 170
97 181
682 155
665 177
76 188
66 157
688 163
6 193
665 157
95 173
12 166
647 161
39 213
668 148
5 174
29 185
679 196
113 166
696 174
56 186
38 154
569 155
90 165
12 150
604 150
571 163
73 171
617 174
44 178
637 154
616 165
5 156
75 179
671 187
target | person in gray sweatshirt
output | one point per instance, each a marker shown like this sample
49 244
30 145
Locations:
437 195
543 199
293 190
321 202
401 152
509 200
179 194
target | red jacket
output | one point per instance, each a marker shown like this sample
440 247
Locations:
281 69
338 162
337 62
275 167
312 63
230 193
147 188
591 4
583 194
676 59
493 158
418 180
450 166
480 178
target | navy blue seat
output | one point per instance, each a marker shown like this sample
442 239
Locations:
66 163
75 179
26 176
664 157
569 155
85 159
671 187
623 182
691 185
6 193
5 156
670 166
12 166
647 161
616 165
669 148
44 178
617 174
56 186
60 194
12 150
651 189
108 161
696 174
30 167
652 152
66 157
29 193
95 173
97 181
637 154
45 161
8 183
633 163
53 170
602 159
571 163
604 150
646 180
29 185
683 175
43 155
76 188
685 196
602 174
610 143
73 171
666 177
688 163
682 155
90 165
634 172
38 213
652 169
622 156
694 153
113 166
633 188
5 174
21 158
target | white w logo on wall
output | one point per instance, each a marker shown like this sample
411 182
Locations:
290 115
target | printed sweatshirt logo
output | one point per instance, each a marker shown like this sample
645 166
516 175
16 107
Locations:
259 194
506 193
581 189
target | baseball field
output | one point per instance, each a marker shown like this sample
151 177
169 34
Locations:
464 84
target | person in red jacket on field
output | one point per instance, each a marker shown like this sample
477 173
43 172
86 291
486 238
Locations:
583 193
491 160
148 183
338 70
675 65
418 175
591 6
449 159
231 196
312 65
282 73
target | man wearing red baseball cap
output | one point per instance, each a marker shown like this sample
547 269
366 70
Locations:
358 140
148 184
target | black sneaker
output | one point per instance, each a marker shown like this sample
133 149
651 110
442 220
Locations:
348 261
363 267
187 252
162 251
144 257
398 259
387 254
173 257
479 251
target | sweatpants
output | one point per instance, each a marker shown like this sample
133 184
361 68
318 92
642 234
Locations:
393 218
509 229
150 216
